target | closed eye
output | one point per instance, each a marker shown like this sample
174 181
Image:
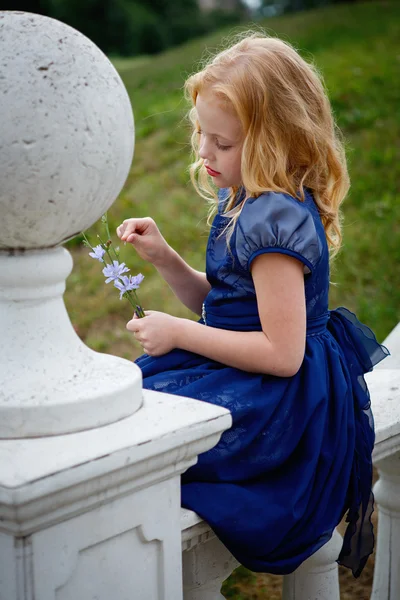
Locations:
221 147
218 145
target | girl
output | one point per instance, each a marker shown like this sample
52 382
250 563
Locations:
298 455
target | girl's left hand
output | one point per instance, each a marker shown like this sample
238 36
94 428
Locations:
157 332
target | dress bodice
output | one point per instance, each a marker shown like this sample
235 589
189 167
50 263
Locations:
273 222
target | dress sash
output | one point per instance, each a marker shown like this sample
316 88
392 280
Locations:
362 352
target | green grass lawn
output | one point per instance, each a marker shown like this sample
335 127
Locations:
357 48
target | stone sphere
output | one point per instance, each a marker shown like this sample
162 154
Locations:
66 132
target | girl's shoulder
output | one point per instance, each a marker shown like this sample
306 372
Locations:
278 222
270 202
284 204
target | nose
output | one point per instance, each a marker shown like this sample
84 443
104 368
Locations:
204 148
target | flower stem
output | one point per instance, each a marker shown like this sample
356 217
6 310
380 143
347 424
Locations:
86 241
131 300
106 248
104 220
138 309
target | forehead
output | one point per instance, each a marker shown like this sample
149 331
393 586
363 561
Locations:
215 119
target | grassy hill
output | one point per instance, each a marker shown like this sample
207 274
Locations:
357 48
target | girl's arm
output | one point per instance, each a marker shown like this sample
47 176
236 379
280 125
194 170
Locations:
276 350
279 348
189 285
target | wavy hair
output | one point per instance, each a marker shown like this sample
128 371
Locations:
290 139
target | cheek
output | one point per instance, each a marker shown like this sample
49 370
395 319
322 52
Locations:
236 163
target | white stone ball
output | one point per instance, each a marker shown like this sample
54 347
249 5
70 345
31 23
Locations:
66 132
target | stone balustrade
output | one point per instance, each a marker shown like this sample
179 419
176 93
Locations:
90 463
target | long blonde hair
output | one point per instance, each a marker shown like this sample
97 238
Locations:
290 140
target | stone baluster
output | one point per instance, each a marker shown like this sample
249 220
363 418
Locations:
90 463
384 386
206 562
317 577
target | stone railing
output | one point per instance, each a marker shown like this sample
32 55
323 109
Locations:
207 563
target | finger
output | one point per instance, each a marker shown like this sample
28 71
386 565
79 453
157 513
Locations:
130 238
121 229
136 226
125 228
128 232
133 325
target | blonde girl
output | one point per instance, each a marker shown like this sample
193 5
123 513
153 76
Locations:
269 160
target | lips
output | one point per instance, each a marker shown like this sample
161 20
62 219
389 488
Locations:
212 172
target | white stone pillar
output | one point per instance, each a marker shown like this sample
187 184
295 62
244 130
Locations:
66 146
317 578
386 584
384 387
206 562
96 514
90 464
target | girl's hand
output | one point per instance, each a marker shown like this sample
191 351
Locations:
157 332
146 238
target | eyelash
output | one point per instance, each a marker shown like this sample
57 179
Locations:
219 146
222 147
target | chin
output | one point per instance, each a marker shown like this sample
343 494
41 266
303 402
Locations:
220 183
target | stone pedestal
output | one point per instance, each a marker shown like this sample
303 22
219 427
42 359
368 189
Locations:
96 514
52 383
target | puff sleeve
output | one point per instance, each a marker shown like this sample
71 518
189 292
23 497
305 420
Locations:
276 222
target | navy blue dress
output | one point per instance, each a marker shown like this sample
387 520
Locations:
298 455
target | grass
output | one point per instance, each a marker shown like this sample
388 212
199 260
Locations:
357 48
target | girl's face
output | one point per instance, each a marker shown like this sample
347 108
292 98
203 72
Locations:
220 144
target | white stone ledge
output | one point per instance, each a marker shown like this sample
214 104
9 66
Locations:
60 475
194 529
384 388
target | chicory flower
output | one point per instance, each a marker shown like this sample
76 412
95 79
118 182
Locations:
114 271
98 253
127 283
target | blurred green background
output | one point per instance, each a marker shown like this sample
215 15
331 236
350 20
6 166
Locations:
357 48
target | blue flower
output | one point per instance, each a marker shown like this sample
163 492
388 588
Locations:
98 253
114 271
126 284
136 281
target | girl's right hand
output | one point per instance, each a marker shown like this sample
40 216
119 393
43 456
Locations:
145 237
